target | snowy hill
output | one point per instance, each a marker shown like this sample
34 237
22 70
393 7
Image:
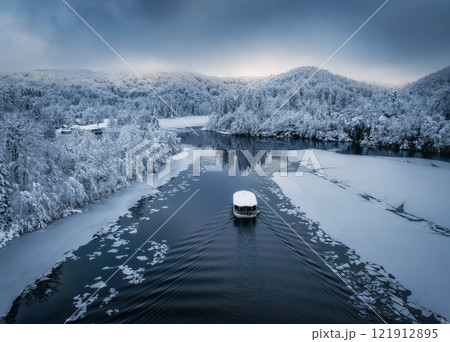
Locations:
328 107
428 85
44 177
334 108
433 91
91 97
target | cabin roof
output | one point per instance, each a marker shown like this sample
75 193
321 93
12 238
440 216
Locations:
244 198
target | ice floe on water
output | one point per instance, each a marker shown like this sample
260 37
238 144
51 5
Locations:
160 252
398 263
133 276
81 303
93 255
45 248
112 312
99 221
98 285
112 293
119 243
70 256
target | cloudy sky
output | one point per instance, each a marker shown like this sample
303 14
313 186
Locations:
406 40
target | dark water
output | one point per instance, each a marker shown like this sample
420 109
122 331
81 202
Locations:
203 266
246 142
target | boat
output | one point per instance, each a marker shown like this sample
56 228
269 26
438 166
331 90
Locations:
245 204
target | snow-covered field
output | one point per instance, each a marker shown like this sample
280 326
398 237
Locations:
32 255
185 121
394 212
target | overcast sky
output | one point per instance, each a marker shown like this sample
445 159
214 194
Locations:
406 40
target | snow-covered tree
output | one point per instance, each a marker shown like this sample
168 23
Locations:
5 192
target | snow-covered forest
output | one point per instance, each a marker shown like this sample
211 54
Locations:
44 177
333 108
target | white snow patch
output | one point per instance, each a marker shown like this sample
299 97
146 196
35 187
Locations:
416 256
423 188
90 127
181 155
184 122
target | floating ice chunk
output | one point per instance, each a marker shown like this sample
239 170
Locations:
98 285
127 270
79 303
119 243
112 293
133 276
94 255
111 312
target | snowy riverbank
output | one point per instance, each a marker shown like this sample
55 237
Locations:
32 255
392 211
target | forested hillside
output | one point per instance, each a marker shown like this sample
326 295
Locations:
334 108
45 176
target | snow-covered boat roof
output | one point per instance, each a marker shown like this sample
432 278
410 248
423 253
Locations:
244 198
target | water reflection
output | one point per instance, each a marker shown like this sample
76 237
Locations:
220 141
244 224
39 292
